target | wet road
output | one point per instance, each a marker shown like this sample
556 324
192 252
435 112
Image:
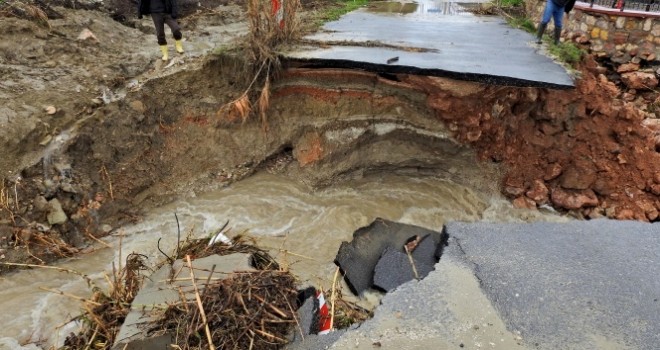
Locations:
432 38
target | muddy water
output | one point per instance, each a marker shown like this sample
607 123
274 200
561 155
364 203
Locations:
303 227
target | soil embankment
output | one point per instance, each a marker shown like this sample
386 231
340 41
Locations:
105 153
583 150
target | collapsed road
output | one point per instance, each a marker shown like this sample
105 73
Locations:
346 140
432 44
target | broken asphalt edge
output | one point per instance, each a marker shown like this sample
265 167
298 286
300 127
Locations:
317 63
358 258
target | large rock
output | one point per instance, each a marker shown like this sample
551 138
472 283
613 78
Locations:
639 80
358 259
539 192
572 200
56 214
578 176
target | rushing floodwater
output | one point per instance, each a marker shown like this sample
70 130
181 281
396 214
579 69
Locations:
285 216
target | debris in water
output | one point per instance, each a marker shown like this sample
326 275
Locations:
248 310
50 110
325 321
359 258
219 236
104 312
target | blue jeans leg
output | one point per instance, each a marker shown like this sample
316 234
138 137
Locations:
553 11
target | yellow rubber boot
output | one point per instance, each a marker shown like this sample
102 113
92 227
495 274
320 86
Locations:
163 49
179 46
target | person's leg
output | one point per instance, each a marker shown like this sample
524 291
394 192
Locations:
159 23
547 15
558 16
548 12
176 32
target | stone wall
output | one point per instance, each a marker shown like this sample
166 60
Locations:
629 36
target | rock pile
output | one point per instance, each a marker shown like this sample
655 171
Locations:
586 150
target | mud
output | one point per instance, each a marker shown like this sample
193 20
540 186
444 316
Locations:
83 80
128 133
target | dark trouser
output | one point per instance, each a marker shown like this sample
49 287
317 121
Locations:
159 22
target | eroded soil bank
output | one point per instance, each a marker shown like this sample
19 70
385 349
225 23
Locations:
582 150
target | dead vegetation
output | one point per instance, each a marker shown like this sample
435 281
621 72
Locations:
39 241
247 311
104 313
200 248
46 243
250 310
344 313
267 292
33 11
8 202
41 11
272 25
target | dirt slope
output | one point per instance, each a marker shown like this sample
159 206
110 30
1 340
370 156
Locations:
51 64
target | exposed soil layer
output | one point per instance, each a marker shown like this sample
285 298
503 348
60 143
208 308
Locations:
581 150
102 155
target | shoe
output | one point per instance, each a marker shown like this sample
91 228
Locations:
539 35
178 45
163 49
557 35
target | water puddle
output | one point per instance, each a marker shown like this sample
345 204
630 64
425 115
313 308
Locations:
302 227
424 7
393 7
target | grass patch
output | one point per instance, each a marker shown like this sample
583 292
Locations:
523 23
509 3
566 52
344 7
221 50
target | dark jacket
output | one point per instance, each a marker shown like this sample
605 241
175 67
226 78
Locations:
171 8
566 4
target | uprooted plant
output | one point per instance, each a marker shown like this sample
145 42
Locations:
252 310
104 313
8 202
272 24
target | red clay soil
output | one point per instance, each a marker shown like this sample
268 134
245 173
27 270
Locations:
582 150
